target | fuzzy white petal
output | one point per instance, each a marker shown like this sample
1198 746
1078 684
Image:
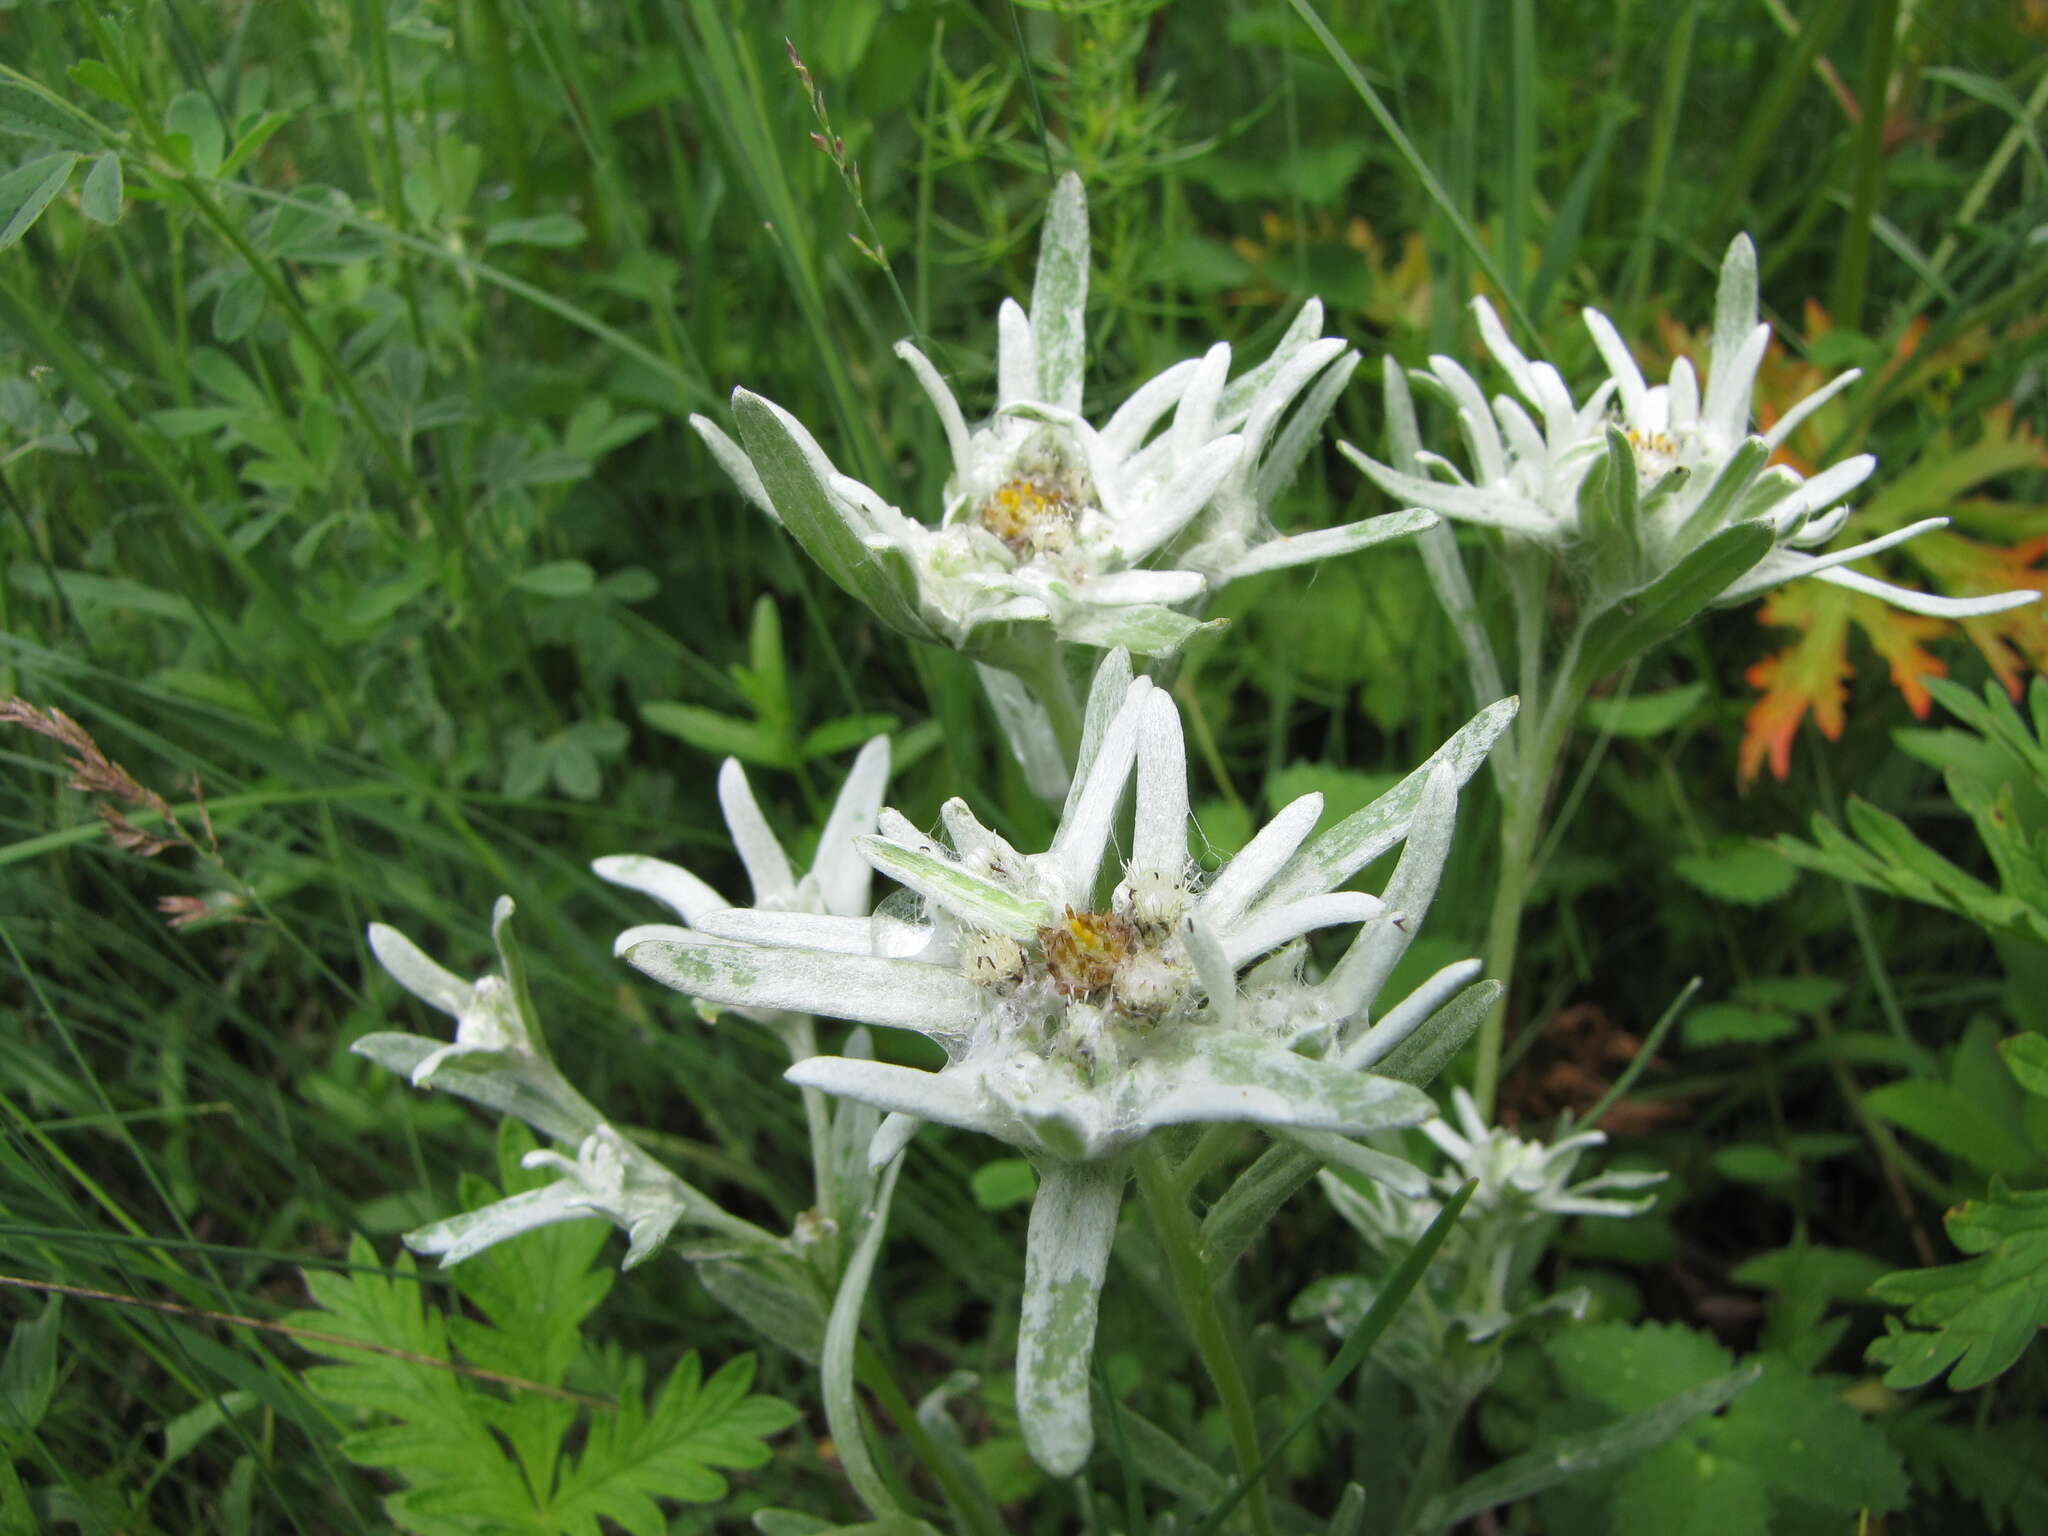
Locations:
670 884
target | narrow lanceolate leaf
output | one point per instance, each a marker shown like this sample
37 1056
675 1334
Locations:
1358 839
27 192
1324 543
1643 619
1073 1222
864 989
1244 1078
1144 629
100 198
1059 296
794 471
977 902
483 1079
29 112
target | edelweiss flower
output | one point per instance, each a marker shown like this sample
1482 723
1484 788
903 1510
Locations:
1075 1024
499 1060
1521 1182
609 1177
1520 1179
1046 519
1693 466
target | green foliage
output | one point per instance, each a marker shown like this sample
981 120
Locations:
491 1451
344 355
1787 1449
1979 1315
1997 774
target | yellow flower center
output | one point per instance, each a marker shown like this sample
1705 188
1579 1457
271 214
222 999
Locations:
1084 949
1029 515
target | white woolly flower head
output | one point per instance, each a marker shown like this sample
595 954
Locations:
499 1060
1081 1009
1643 475
1528 1178
1101 534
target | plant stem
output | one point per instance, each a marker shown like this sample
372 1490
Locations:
1175 1227
1523 794
801 1038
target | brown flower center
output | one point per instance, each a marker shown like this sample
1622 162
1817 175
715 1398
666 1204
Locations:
1084 949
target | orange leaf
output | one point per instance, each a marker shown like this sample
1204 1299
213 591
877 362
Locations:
2013 640
1809 674
1812 673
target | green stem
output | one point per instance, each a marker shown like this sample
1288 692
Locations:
1429 1474
1541 731
801 1037
1182 1243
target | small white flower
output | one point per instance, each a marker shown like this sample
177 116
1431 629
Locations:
1522 1182
499 1060
497 1057
609 1177
1078 1022
1528 1179
1048 519
1698 469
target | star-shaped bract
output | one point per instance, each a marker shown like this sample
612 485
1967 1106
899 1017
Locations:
1696 467
1075 1024
1100 534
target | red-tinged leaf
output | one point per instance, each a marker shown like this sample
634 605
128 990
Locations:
1896 635
2012 641
1810 674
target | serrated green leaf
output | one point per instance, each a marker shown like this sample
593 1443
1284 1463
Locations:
1804 1443
1955 1122
1979 1314
1644 714
634 1457
1682 1489
477 1457
1748 873
1736 1024
1577 1455
1837 1274
1632 1369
